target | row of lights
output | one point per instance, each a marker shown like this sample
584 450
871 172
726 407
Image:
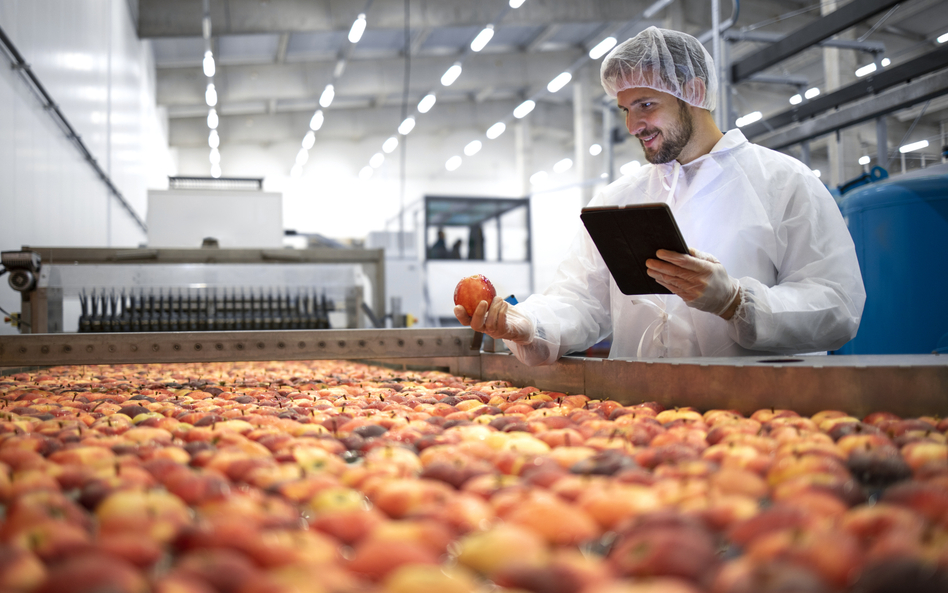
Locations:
210 97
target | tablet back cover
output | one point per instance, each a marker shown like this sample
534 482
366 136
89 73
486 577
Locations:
627 236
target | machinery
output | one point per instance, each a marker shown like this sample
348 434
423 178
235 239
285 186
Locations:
153 290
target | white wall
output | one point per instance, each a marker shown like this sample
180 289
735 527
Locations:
88 57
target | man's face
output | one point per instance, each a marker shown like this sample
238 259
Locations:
662 123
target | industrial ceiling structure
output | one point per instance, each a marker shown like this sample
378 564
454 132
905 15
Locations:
275 58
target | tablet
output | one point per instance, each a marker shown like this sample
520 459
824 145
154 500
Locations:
626 236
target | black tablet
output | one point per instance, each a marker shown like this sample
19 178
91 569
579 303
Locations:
626 236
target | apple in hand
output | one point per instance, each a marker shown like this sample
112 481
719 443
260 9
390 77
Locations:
472 290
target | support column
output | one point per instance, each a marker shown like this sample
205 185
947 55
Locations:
838 68
882 143
944 141
608 151
582 133
523 148
805 153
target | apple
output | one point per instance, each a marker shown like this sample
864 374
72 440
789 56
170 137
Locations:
424 578
470 291
377 558
664 544
490 551
20 569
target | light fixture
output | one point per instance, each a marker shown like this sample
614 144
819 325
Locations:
810 93
942 38
302 156
216 171
426 103
210 95
480 42
376 161
602 48
748 119
296 172
595 150
329 93
406 126
453 163
629 167
914 146
366 172
563 166
559 82
864 160
538 178
451 74
473 147
309 140
817 172
516 3
212 119
317 120
358 28
215 156
213 139
796 99
209 67
885 62
496 130
524 109
390 145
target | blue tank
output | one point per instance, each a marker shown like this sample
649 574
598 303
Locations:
900 228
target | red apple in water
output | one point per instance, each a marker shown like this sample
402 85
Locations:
472 290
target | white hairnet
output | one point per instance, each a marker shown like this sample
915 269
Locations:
664 60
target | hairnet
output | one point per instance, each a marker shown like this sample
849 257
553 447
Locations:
667 61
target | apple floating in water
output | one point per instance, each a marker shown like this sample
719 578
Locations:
472 290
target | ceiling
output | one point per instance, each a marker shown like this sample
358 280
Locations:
275 57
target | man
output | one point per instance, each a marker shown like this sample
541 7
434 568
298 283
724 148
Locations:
783 279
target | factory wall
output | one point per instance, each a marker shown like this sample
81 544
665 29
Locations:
88 57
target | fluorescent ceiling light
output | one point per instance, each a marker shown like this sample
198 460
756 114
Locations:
210 95
390 145
864 160
914 146
796 99
216 171
296 172
329 93
595 150
209 67
473 147
516 3
212 119
748 119
480 42
817 173
215 156
538 178
451 74
309 140
302 156
867 69
559 82
885 62
602 48
317 121
425 105
563 166
453 163
376 161
213 139
366 172
406 126
810 93
629 167
524 109
357 29
496 130
942 38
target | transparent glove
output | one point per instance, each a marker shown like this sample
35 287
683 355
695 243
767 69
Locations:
699 279
500 320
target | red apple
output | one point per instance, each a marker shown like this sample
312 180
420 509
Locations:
472 290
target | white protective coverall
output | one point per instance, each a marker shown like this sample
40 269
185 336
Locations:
769 221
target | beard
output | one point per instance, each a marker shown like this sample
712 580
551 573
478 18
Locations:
674 139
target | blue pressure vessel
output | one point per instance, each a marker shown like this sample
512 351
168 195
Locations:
900 228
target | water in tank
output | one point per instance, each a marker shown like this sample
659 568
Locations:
900 228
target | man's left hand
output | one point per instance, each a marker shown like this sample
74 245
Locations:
699 279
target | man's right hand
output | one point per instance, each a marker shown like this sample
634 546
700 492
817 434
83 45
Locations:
498 320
